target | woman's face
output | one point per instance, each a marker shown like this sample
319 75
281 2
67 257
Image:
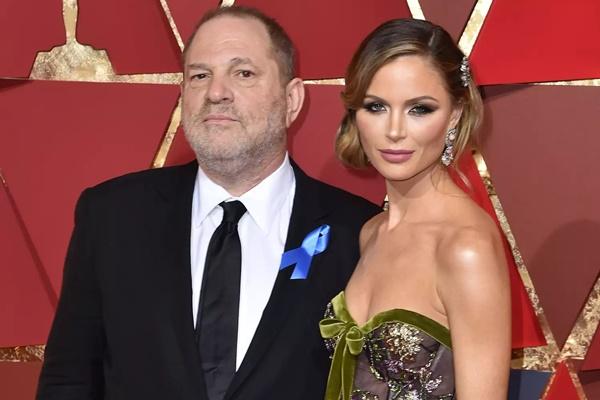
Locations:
404 118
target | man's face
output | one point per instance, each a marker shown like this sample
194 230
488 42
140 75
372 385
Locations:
234 102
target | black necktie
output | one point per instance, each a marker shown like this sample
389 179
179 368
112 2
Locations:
217 322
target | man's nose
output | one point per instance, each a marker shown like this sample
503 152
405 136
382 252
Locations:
219 90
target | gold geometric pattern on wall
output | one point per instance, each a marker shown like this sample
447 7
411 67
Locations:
545 358
473 28
581 82
469 36
22 353
19 353
167 11
540 358
580 338
415 9
74 61
161 155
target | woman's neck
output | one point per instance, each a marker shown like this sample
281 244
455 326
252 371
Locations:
418 198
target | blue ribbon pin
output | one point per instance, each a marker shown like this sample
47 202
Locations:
314 243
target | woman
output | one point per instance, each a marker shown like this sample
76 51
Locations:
426 314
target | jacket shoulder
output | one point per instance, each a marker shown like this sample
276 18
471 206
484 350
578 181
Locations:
138 183
343 201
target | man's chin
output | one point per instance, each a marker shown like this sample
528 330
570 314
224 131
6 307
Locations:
222 156
216 144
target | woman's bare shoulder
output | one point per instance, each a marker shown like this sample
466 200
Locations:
470 242
369 228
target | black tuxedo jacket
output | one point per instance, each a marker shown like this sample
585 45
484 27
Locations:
123 329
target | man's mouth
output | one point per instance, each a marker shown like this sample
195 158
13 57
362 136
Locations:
219 118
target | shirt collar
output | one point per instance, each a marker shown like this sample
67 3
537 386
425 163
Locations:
260 201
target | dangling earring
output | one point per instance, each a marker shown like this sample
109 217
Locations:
448 154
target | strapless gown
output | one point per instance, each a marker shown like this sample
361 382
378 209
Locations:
398 354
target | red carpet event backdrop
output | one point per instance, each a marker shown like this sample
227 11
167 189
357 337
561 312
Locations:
90 90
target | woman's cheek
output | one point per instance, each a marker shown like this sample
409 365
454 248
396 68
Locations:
427 131
367 138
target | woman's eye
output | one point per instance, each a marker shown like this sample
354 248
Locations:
374 107
421 109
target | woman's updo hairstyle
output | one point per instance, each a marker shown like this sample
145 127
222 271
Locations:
393 39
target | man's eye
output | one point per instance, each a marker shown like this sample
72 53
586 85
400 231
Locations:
245 73
421 109
374 107
198 76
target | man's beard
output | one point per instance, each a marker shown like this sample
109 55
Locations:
231 151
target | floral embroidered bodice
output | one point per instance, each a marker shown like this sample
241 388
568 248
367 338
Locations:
397 355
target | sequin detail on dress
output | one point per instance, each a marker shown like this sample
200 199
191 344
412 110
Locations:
405 356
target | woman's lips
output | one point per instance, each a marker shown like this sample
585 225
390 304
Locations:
396 156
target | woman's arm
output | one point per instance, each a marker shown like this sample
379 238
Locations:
474 288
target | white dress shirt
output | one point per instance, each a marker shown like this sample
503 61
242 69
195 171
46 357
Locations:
263 232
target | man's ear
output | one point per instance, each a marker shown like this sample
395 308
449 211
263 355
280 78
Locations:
294 97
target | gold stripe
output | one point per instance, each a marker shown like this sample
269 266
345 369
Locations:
22 353
165 78
173 78
70 14
581 82
548 386
582 334
544 358
227 3
161 155
332 81
167 11
541 358
576 381
415 9
574 377
473 27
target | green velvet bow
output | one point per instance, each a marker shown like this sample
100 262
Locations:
343 365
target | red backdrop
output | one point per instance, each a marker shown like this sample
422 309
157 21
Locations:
540 143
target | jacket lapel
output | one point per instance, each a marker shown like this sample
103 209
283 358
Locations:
307 212
177 190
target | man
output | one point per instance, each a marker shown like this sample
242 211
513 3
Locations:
174 285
